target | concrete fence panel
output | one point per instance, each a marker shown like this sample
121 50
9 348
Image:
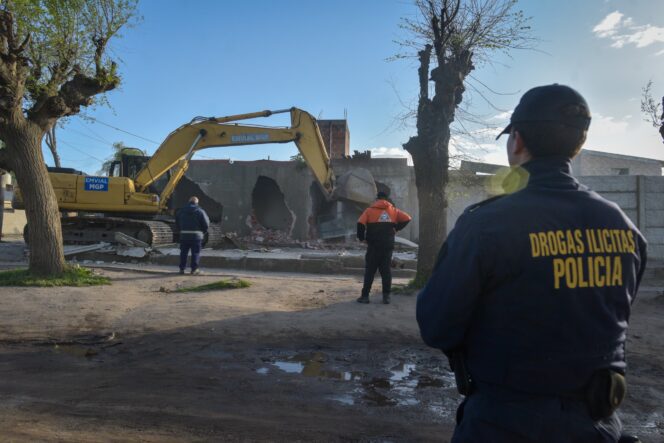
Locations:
626 200
614 183
654 218
654 184
654 201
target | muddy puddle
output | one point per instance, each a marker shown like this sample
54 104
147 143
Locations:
395 383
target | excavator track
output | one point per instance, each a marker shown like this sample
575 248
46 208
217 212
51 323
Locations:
86 230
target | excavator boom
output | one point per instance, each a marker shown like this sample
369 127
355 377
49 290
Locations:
180 145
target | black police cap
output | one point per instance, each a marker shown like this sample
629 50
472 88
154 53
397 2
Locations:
548 104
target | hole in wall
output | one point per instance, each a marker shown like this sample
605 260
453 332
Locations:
269 206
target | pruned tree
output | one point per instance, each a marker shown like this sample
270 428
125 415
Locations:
53 61
450 37
652 110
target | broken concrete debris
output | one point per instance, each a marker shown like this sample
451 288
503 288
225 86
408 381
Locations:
78 249
132 251
127 240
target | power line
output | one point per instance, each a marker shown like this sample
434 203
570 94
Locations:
80 150
99 140
91 131
121 130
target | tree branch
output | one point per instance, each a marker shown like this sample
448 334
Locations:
77 92
423 71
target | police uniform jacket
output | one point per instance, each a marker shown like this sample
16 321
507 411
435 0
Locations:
536 286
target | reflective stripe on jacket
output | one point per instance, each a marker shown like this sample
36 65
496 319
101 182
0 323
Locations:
191 222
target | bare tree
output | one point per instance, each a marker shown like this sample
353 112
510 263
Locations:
53 61
653 111
52 143
450 37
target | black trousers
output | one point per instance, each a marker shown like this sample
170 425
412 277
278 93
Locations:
377 258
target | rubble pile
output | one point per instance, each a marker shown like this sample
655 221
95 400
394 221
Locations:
261 235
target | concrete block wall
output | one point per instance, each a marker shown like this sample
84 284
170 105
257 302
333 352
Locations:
640 197
13 221
651 208
231 184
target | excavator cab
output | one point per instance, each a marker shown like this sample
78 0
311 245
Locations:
129 165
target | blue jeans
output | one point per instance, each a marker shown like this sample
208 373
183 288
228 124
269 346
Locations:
195 246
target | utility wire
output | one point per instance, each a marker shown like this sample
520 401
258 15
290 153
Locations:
121 130
99 140
80 150
91 131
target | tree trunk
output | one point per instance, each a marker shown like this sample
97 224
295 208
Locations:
2 201
431 177
661 125
23 141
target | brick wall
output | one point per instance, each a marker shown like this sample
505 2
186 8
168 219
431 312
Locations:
336 136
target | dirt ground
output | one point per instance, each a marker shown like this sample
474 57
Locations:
292 358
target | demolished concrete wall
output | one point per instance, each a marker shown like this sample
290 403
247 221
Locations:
232 183
187 189
398 177
297 203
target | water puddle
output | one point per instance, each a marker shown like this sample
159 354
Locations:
345 399
289 367
313 365
401 387
75 350
401 371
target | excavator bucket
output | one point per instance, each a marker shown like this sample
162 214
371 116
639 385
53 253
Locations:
356 185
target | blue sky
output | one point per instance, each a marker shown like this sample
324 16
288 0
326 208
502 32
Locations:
215 58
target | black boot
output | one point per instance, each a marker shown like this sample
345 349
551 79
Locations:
363 299
386 299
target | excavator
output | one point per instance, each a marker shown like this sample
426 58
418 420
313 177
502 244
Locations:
133 200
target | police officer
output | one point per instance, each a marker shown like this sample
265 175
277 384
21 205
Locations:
192 223
378 225
531 294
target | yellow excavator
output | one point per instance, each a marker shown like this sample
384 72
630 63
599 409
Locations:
128 202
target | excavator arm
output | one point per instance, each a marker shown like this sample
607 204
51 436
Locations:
180 145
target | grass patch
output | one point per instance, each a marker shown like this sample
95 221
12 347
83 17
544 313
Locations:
232 283
73 276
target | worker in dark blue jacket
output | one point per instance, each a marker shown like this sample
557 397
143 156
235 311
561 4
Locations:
531 294
191 223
